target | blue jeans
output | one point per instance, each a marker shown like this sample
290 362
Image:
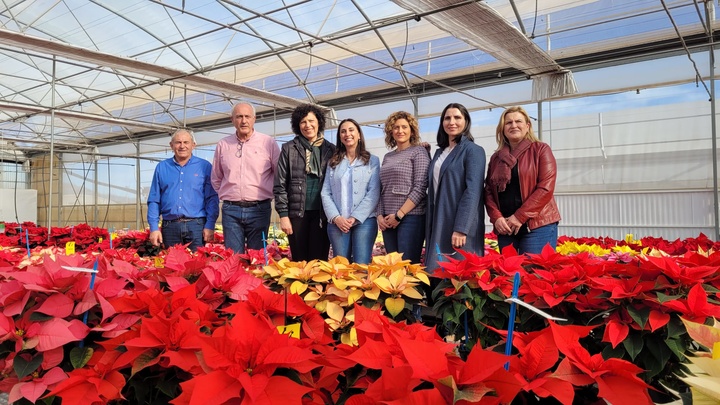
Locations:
356 245
532 242
243 225
407 238
180 233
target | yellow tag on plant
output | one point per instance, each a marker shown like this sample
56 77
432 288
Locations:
293 330
629 238
159 262
113 235
69 248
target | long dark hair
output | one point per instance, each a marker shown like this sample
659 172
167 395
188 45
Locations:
443 139
341 151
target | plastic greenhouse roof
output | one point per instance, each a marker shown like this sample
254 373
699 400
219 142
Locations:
61 56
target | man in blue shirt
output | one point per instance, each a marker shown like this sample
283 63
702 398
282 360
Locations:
182 194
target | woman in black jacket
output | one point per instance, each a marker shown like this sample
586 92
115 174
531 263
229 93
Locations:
298 182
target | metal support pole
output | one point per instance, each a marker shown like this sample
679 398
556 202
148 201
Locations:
60 191
95 197
52 149
709 11
538 130
138 203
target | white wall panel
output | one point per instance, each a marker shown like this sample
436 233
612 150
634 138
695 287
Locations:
671 215
22 202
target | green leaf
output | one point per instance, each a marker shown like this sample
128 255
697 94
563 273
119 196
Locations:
665 298
40 317
633 344
79 356
639 315
168 387
613 353
675 327
658 349
677 347
459 309
147 358
24 368
472 393
496 297
655 357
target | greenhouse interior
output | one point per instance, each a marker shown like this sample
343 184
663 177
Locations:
623 92
106 100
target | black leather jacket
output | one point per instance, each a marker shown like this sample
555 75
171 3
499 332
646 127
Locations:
289 188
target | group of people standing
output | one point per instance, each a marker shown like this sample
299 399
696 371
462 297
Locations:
339 194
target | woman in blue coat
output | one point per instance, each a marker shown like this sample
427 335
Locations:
350 195
455 213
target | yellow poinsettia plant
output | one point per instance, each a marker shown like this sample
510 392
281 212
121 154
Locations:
704 366
333 286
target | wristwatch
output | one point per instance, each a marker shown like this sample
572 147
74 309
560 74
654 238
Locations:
397 217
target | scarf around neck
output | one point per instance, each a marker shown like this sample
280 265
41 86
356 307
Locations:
312 154
507 160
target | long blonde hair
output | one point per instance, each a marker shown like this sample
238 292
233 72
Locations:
500 130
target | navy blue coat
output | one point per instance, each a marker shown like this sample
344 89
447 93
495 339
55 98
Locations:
459 204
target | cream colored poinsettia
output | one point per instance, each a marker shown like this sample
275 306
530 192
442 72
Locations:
388 264
302 274
705 367
397 285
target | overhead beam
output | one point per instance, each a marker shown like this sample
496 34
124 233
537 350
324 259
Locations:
29 42
82 116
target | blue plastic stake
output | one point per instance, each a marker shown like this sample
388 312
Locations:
511 321
27 242
92 285
110 236
265 247
467 335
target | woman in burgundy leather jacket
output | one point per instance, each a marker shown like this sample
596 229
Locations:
519 186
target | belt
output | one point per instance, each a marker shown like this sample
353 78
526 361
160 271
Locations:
247 204
183 219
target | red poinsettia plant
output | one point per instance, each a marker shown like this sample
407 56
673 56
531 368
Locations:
634 304
202 328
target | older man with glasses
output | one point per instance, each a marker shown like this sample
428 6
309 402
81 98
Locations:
243 172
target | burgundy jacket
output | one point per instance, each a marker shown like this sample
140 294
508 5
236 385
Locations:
537 171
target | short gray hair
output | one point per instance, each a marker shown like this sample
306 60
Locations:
232 110
183 130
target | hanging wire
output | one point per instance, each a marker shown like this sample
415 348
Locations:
407 40
700 17
83 188
532 34
698 76
107 209
17 217
43 181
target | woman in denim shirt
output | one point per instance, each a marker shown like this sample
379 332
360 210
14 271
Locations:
350 195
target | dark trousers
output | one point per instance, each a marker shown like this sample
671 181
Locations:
309 240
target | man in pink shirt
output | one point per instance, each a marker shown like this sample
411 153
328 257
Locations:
242 174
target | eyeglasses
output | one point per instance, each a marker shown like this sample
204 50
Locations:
238 152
